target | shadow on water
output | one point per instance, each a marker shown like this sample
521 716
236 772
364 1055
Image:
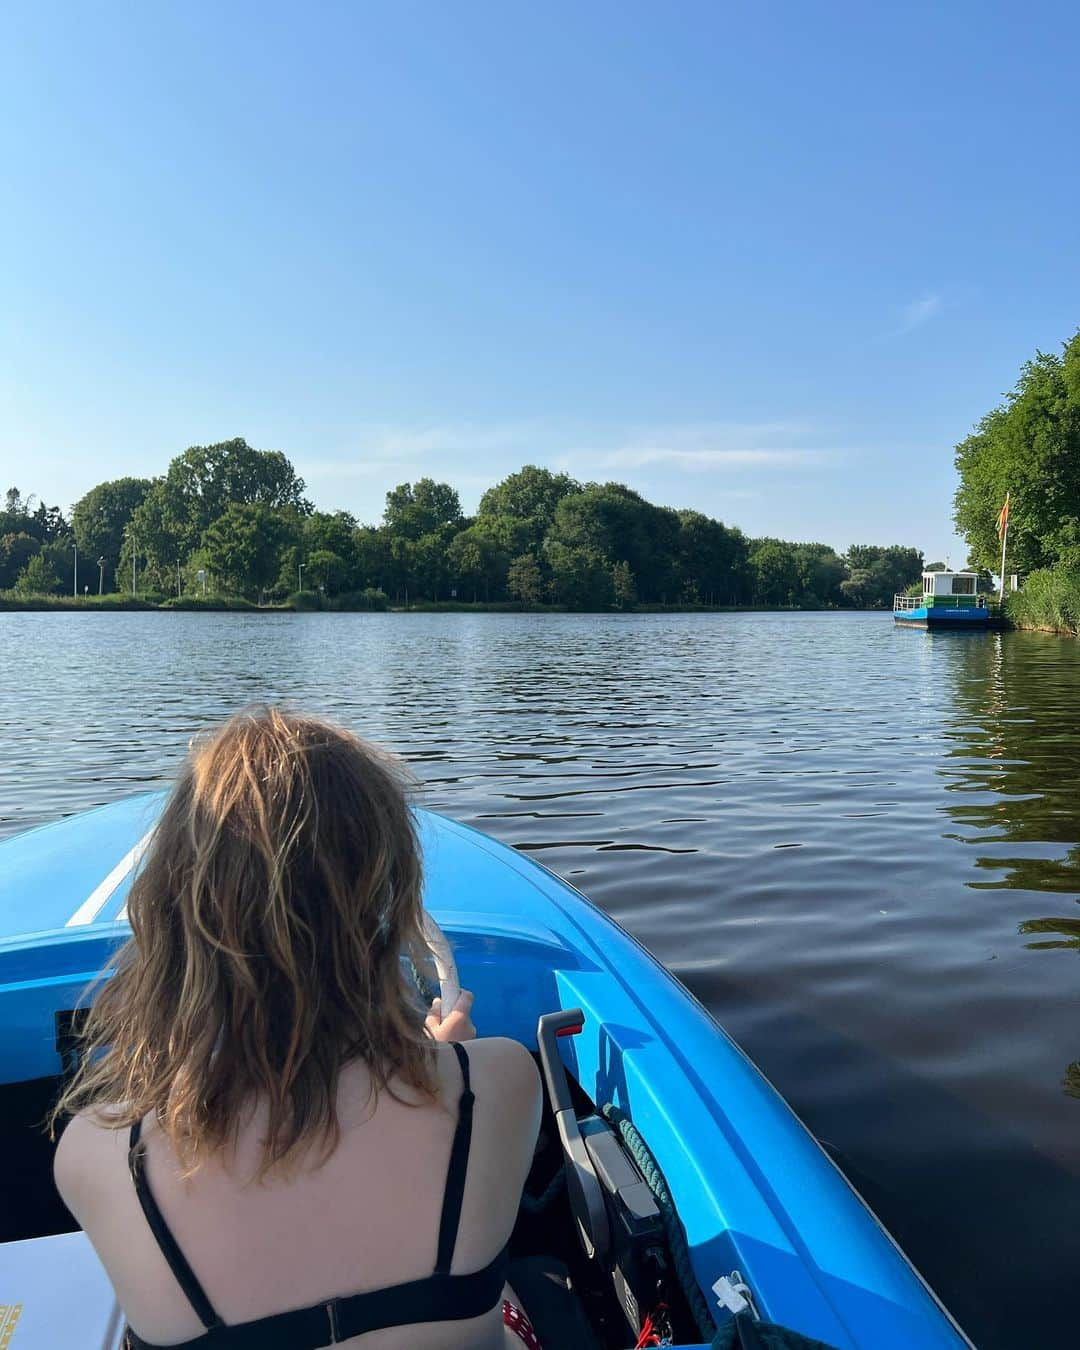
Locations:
991 1221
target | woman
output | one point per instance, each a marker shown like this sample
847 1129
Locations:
271 1148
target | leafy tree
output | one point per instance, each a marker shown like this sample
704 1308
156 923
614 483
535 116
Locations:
374 560
525 580
712 561
477 562
16 550
821 573
414 511
19 516
328 570
430 563
244 546
38 577
775 573
1029 447
580 576
322 532
622 585
529 497
616 523
99 519
206 479
510 535
157 538
200 484
877 574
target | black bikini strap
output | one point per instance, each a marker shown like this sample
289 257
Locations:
174 1257
455 1173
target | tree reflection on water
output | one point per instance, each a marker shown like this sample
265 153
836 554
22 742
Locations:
1014 760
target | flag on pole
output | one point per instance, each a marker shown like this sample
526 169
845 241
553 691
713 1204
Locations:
1003 517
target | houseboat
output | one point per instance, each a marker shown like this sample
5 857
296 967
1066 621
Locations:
948 600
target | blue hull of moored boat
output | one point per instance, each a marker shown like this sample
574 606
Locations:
940 616
754 1190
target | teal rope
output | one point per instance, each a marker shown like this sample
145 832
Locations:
673 1229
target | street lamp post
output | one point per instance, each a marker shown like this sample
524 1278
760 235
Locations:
75 583
300 576
101 575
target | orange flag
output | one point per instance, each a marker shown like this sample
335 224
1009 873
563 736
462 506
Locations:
1003 517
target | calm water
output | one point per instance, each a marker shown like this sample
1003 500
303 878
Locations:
858 846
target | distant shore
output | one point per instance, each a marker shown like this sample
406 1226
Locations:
236 604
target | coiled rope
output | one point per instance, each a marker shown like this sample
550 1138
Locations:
673 1228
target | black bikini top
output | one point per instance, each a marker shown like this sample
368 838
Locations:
439 1297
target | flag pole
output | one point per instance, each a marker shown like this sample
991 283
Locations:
1004 541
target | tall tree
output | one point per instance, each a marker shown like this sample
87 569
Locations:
616 523
38 577
712 561
156 538
244 546
203 481
100 518
1030 448
525 580
477 565
20 516
413 511
530 497
16 550
877 574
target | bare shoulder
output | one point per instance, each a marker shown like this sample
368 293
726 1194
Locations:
507 1083
81 1163
506 1062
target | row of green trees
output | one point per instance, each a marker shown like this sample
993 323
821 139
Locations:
1028 447
233 520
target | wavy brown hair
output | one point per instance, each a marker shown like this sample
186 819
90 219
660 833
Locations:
279 893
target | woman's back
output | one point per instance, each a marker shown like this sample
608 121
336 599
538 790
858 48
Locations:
367 1218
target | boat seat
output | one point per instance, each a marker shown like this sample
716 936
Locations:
543 1285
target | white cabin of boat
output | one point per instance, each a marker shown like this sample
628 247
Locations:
949 584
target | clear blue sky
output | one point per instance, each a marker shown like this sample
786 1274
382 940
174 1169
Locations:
771 260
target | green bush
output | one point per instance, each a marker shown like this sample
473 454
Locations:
1050 598
369 598
305 600
207 602
15 600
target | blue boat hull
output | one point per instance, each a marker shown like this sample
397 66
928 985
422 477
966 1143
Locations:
754 1190
940 616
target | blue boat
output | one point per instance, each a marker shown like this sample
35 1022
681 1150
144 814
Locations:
948 600
771 1227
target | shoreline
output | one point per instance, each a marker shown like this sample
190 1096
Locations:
232 604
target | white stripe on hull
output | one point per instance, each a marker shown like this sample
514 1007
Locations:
96 901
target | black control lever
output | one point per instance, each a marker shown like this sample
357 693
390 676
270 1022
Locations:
583 1188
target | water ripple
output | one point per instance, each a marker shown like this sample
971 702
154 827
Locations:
859 847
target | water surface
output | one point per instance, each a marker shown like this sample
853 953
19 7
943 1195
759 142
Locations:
857 845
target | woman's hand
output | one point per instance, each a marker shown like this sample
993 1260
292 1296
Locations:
457 1025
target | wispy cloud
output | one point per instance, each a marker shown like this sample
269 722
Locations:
706 447
916 313
430 447
637 457
733 456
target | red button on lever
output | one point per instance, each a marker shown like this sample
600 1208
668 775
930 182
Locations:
571 1031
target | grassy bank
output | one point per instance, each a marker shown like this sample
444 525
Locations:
13 600
1049 600
358 602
